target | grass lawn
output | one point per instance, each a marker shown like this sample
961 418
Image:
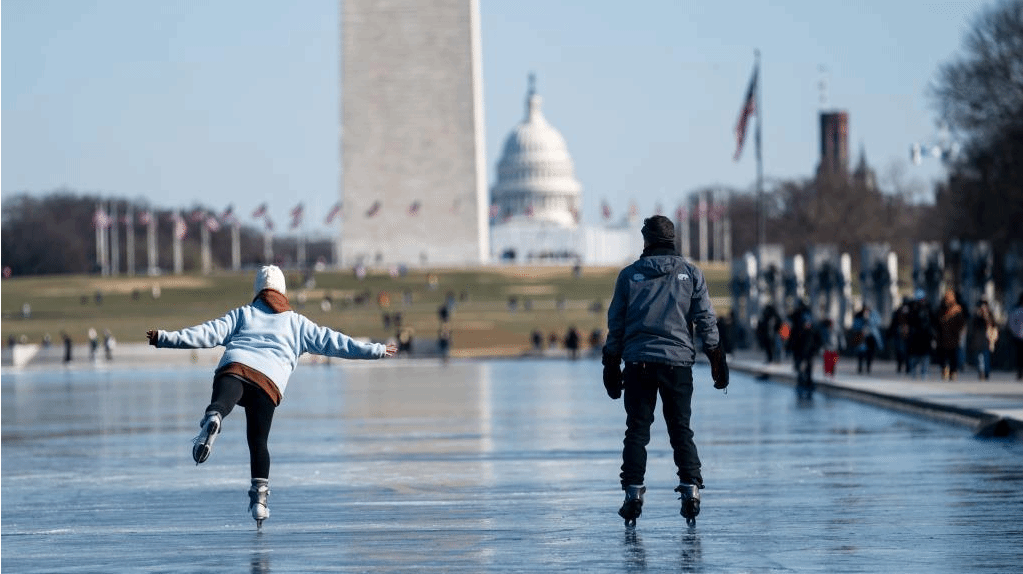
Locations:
548 298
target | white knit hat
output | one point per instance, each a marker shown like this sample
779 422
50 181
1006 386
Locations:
270 277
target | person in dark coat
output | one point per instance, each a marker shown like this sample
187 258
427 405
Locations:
951 325
920 340
804 343
655 301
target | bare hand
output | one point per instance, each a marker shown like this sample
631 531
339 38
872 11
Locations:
390 350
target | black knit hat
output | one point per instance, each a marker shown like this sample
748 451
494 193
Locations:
658 229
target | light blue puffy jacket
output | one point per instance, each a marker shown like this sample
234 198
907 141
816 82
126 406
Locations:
271 343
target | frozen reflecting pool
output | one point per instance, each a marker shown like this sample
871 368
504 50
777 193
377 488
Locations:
490 466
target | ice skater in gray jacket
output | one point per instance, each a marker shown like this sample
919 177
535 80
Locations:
655 300
262 343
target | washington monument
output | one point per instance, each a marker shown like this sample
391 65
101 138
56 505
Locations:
413 167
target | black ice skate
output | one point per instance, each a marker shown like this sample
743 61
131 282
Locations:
202 445
258 493
633 505
690 496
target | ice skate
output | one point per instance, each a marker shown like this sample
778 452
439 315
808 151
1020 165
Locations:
690 496
202 445
257 500
633 505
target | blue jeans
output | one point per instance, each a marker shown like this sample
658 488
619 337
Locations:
918 362
984 363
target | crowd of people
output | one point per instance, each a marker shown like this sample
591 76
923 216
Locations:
950 335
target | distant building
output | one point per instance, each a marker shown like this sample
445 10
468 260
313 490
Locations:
536 202
413 167
834 159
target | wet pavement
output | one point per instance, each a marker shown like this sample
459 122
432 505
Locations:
487 466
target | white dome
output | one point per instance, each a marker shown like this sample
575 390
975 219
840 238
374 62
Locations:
535 176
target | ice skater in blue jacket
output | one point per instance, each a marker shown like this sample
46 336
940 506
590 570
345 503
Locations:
262 343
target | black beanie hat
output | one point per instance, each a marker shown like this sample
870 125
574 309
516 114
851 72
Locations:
658 229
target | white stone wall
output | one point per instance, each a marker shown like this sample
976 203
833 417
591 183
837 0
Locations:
412 133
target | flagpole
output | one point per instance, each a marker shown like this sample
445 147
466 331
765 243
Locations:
761 220
129 240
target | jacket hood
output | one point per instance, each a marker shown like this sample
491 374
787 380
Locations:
657 265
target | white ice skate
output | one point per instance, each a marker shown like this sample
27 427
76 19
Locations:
258 494
202 445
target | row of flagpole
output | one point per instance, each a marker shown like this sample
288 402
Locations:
107 223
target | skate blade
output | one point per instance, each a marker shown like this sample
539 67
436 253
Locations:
630 522
259 524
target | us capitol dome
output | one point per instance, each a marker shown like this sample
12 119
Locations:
536 181
536 202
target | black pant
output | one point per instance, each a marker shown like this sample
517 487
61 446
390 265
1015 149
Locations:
642 383
229 390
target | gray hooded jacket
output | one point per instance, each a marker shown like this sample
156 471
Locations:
654 301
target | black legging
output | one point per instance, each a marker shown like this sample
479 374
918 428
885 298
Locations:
229 390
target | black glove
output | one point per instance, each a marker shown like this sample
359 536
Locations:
612 375
718 367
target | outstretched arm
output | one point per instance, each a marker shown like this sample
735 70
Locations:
321 340
204 336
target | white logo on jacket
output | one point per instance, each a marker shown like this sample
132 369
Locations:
683 277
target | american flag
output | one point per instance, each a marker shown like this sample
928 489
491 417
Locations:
605 210
180 227
100 219
260 211
334 211
228 216
414 208
268 223
146 217
373 209
198 215
296 215
212 224
749 108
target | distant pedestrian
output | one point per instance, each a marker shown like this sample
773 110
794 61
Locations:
804 343
263 341
920 343
866 338
68 344
951 324
655 301
767 332
93 343
109 342
982 337
898 336
536 338
1016 329
832 342
572 342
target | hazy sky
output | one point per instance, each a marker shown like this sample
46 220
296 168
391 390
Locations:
232 102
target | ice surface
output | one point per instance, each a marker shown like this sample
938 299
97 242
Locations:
490 466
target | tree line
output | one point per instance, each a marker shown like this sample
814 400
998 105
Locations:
55 234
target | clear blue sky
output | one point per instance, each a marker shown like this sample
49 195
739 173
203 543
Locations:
233 102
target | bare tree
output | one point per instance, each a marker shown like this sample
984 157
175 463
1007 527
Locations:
979 93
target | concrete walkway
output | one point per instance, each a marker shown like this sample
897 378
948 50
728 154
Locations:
991 408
